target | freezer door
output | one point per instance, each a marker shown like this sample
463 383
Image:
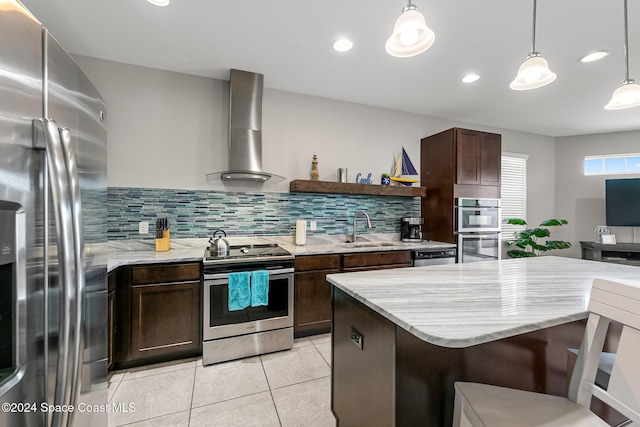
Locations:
75 104
21 185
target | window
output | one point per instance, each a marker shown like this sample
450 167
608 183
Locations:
612 164
514 190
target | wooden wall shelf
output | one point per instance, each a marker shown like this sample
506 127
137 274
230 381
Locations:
329 187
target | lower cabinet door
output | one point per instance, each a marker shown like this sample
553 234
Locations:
312 313
165 319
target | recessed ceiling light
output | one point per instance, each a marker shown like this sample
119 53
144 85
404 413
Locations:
342 45
594 56
159 2
470 78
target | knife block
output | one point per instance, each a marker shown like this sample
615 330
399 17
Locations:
164 244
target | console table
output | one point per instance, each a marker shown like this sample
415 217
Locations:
620 253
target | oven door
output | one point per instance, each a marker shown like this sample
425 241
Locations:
219 322
478 219
474 247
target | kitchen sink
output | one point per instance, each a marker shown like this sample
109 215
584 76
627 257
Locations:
369 245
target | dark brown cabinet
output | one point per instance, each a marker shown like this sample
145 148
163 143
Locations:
363 376
312 309
157 314
376 260
165 310
111 326
456 163
477 157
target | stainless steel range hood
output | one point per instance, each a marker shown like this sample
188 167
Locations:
245 129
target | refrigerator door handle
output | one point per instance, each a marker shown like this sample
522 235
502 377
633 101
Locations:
63 213
78 249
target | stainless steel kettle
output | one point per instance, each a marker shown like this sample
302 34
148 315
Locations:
218 247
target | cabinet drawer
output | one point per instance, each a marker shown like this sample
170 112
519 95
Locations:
372 259
316 262
165 273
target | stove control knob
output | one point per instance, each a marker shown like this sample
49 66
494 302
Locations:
244 250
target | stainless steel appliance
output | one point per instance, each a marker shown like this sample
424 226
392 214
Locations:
477 215
422 257
245 130
474 247
411 229
53 287
478 229
233 334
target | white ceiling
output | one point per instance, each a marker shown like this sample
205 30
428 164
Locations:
289 41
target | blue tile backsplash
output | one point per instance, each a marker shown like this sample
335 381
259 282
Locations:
195 213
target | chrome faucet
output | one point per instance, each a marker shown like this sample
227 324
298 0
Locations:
354 236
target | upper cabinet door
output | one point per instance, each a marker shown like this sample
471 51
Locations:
477 158
490 159
467 157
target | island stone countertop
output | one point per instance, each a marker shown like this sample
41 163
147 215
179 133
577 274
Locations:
131 252
462 305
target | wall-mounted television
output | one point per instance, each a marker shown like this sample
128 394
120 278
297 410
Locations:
623 202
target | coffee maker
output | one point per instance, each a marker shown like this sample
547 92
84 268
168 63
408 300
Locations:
411 229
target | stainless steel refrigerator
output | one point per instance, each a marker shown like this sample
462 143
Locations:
53 291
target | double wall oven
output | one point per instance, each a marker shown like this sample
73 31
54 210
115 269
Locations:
478 229
233 334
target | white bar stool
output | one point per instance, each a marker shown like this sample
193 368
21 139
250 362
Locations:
480 405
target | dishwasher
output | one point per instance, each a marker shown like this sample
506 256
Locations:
422 257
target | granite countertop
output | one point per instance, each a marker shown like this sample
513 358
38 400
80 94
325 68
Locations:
131 252
461 305
336 244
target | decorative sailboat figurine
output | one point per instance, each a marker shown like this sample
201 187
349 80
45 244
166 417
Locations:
404 167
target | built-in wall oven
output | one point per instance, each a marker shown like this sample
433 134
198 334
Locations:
477 215
477 229
474 247
236 333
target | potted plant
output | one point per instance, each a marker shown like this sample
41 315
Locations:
527 239
385 179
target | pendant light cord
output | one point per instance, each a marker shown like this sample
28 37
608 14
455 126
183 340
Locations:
626 44
533 43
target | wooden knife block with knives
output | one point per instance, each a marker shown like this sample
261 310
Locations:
163 235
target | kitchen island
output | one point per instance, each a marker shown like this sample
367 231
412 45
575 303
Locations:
402 337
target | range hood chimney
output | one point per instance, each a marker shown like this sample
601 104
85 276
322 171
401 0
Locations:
245 129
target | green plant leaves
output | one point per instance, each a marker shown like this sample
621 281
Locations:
552 222
514 221
527 239
557 244
520 254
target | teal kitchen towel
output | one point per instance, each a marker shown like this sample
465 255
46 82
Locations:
259 288
239 291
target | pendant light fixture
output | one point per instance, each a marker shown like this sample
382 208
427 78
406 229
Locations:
534 71
410 36
627 95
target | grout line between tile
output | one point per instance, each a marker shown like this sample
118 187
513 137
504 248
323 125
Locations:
147 419
301 382
230 399
270 392
193 391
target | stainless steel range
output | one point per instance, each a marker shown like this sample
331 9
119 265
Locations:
230 332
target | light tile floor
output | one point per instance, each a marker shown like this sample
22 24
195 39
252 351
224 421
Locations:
287 388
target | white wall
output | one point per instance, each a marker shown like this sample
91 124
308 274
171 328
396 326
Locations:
582 197
167 130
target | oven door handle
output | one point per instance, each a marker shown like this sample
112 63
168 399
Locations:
225 275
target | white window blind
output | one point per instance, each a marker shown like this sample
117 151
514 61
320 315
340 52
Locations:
513 191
